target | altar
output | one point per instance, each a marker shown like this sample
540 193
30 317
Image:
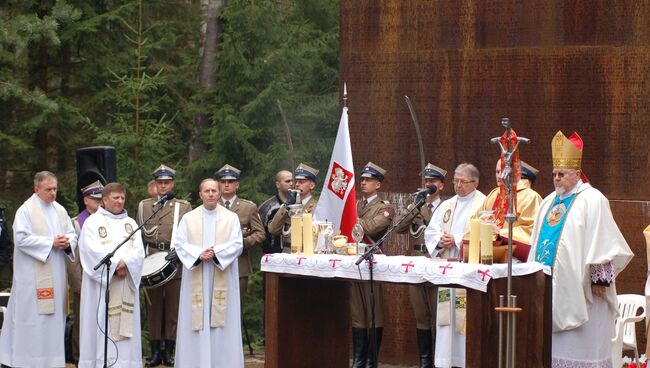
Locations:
307 320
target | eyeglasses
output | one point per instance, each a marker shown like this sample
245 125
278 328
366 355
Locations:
560 174
462 181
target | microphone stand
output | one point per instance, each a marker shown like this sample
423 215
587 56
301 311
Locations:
107 262
368 256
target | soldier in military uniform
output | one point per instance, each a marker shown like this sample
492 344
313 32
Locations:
424 297
157 235
249 219
268 209
92 197
305 177
375 216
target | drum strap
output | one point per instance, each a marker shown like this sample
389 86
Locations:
177 210
44 276
219 300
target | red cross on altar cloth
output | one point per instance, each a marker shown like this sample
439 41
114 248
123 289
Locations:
445 268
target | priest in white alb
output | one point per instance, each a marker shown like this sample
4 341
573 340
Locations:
101 233
444 238
576 235
34 323
208 241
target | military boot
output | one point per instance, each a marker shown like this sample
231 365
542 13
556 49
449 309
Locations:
167 353
425 348
373 360
154 360
359 347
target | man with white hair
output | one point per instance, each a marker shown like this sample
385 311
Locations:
34 324
576 235
444 237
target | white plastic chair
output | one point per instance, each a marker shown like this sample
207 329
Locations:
625 337
3 310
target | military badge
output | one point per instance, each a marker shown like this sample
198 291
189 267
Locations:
102 232
128 228
386 213
446 216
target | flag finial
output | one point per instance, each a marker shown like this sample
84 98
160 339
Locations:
345 95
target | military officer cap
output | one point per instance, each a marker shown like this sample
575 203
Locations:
372 170
228 172
529 172
164 173
305 172
432 171
93 190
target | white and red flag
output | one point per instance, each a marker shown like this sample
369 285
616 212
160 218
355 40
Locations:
338 199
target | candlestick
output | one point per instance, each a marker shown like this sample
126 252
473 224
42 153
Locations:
486 242
296 234
307 235
474 241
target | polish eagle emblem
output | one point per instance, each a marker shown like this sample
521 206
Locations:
339 180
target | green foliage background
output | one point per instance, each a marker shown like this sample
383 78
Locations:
78 73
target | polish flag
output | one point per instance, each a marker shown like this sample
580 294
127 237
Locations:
338 199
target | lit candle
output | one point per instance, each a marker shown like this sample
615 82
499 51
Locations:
474 241
307 235
486 242
296 235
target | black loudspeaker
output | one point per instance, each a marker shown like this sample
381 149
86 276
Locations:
95 163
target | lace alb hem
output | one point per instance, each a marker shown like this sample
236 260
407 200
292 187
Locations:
602 272
570 363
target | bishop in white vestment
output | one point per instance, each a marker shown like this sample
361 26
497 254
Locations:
576 235
34 323
101 232
208 241
444 237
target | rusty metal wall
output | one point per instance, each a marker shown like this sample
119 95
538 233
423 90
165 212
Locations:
547 65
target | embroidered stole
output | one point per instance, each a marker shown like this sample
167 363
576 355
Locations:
44 275
122 294
219 300
552 226
444 294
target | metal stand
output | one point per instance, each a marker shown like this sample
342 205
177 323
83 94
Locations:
508 306
107 262
369 255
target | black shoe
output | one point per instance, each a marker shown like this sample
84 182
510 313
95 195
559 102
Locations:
373 360
167 353
155 359
359 347
425 348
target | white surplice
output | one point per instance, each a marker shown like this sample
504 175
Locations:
92 249
590 236
219 347
30 339
453 217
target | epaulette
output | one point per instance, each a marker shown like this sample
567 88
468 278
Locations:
183 201
385 201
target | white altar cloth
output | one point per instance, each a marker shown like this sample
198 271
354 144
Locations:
399 269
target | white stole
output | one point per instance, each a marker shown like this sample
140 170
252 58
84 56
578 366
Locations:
44 276
220 279
444 294
122 294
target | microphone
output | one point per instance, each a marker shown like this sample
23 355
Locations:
431 189
165 198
